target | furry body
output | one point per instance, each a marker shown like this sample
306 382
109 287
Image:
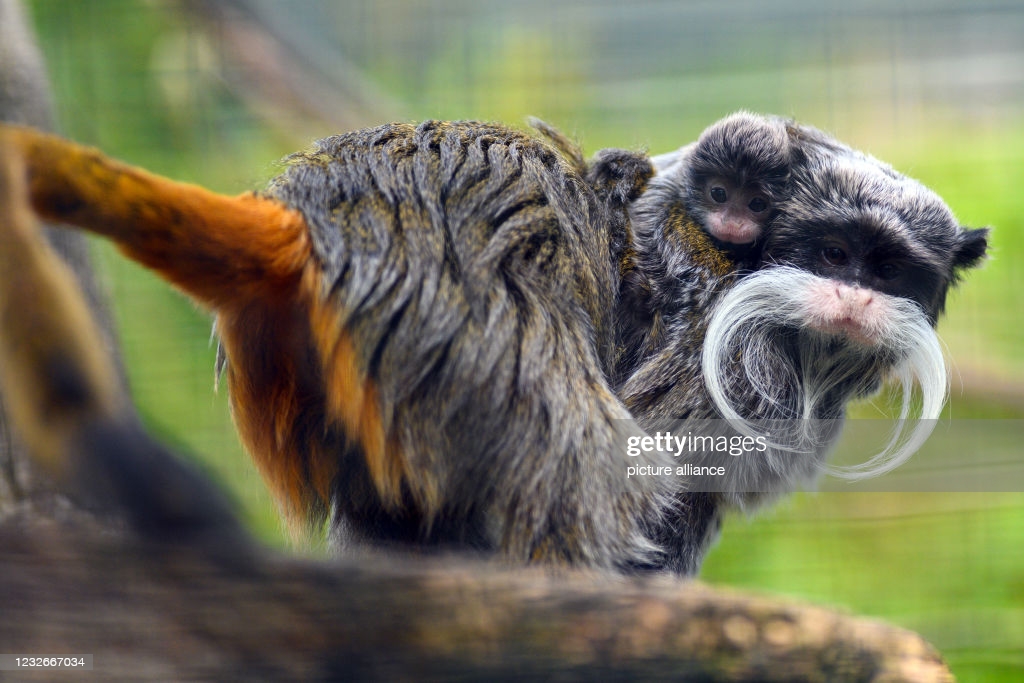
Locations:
416 323
469 267
419 325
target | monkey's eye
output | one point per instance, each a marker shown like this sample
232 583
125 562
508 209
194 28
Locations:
758 204
887 271
719 194
834 256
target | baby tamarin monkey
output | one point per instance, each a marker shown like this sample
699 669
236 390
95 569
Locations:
733 177
727 185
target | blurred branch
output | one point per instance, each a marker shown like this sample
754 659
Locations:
25 98
156 613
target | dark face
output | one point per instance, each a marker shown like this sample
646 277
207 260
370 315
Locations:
859 255
738 172
859 223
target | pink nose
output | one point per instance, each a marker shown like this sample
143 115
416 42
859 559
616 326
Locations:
855 298
845 310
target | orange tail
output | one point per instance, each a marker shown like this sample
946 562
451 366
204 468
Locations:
221 250
250 259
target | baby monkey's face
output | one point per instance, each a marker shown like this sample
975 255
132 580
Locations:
738 171
735 213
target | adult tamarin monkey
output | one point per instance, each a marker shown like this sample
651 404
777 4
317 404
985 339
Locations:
409 316
415 322
849 279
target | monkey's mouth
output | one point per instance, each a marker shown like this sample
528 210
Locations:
738 234
846 327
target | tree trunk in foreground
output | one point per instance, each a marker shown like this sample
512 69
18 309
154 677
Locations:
150 611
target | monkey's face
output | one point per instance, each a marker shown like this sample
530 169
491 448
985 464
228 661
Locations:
869 230
855 270
739 170
732 212
860 265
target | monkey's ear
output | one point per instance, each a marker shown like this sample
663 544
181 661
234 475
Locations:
970 248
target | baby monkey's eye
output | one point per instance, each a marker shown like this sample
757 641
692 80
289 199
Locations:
719 194
758 204
834 256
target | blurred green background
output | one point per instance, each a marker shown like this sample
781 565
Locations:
216 92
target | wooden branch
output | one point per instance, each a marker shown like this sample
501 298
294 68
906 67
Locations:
150 611
281 73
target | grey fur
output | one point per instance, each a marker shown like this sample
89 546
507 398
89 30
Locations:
471 264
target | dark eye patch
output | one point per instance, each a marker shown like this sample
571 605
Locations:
835 256
887 270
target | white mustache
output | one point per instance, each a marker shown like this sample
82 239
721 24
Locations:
848 341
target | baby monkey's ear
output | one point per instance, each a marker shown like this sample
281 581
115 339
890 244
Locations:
971 248
223 251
